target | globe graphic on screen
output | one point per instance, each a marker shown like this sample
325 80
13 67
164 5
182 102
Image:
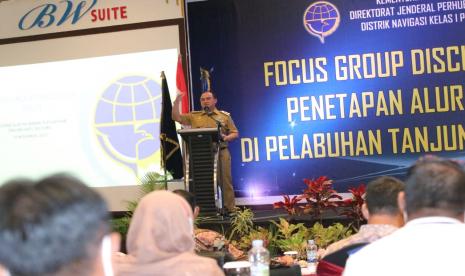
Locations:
321 19
127 121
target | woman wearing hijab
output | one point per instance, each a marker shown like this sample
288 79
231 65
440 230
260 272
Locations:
3 271
160 240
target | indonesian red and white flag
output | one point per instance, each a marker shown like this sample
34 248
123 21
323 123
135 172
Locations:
181 87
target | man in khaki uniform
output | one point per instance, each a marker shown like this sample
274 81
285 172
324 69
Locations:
210 116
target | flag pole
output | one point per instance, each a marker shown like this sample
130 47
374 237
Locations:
163 149
165 175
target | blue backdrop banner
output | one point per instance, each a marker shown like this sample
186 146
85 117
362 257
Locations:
349 89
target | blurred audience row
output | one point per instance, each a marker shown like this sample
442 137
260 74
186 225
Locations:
59 226
432 205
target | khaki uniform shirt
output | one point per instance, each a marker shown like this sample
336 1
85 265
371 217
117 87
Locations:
200 119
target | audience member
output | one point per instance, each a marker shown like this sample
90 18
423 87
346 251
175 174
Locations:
381 211
206 239
160 240
3 271
55 226
432 241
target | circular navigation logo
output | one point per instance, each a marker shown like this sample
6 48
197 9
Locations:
127 122
321 19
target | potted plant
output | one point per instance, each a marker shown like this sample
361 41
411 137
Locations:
319 196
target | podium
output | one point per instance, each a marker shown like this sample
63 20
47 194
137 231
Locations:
201 163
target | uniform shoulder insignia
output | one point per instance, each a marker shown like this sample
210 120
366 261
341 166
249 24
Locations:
225 113
196 112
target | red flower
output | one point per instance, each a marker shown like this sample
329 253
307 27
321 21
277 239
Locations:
320 195
354 204
290 205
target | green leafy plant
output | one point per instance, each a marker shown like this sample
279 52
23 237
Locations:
296 242
324 236
268 236
121 225
283 236
286 229
153 181
291 237
241 222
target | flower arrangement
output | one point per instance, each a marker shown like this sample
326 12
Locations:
320 196
289 204
284 236
281 236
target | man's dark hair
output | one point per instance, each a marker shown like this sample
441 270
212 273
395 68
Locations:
51 227
188 196
210 91
381 195
435 184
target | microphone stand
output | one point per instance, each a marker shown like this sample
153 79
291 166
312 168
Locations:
218 126
218 123
164 159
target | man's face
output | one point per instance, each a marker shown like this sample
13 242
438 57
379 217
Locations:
207 100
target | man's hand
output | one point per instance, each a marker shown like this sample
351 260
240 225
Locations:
175 112
230 137
178 97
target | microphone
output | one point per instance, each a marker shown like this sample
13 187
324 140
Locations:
219 124
207 110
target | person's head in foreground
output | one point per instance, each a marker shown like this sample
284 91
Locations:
381 201
54 226
432 240
381 209
435 187
160 239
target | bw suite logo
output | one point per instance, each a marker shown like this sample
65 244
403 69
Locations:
59 12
